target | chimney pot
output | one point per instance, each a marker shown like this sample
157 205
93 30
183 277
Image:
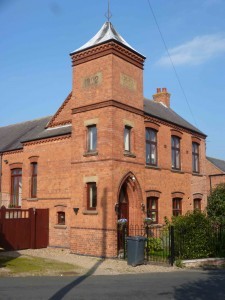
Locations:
162 96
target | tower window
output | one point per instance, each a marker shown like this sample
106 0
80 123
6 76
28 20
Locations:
127 138
92 138
91 195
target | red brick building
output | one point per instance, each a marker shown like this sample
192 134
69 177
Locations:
215 169
107 153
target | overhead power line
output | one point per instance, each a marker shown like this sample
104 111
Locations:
171 61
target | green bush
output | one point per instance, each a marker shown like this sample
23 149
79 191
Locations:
154 244
216 205
192 236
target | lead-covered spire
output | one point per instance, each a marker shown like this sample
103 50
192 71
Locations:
105 34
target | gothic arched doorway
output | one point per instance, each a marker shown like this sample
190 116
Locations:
129 206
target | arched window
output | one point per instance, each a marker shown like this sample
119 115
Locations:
152 209
34 166
151 146
177 206
16 187
197 204
175 152
195 157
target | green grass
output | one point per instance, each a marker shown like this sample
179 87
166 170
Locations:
35 266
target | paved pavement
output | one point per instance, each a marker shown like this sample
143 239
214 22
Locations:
193 285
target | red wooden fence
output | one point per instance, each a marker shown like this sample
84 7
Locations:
24 228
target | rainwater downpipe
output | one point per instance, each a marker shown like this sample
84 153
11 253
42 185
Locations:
1 155
1 178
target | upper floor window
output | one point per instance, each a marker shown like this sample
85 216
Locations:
91 138
151 146
34 180
16 187
175 151
177 206
127 138
91 195
195 157
152 209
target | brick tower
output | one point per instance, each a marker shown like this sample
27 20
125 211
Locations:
107 141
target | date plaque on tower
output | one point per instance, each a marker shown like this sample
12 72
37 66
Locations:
128 82
92 81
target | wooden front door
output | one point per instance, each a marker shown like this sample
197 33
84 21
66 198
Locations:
123 213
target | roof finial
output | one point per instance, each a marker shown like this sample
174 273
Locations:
108 15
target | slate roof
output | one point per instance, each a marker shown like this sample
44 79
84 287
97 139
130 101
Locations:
105 34
219 163
12 136
158 110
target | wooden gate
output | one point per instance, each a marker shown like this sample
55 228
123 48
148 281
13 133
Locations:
24 228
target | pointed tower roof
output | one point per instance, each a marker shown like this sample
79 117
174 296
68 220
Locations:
105 34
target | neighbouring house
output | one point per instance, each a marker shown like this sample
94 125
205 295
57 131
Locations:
215 169
107 153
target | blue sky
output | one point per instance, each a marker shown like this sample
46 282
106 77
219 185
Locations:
36 38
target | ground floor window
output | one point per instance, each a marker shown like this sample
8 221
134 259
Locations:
91 196
152 209
177 207
197 204
61 218
16 187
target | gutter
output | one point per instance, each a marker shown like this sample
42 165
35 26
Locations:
214 175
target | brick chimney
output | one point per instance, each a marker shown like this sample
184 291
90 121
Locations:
162 96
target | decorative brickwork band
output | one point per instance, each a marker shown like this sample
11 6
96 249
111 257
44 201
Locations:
106 49
106 104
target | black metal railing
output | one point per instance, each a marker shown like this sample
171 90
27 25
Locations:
210 242
166 244
159 241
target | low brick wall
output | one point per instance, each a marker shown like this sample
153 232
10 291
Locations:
203 262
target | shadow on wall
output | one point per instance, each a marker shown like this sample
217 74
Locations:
103 205
65 290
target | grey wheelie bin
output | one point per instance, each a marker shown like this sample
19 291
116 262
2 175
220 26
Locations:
135 250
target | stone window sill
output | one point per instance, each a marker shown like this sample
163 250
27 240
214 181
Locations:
90 212
91 153
129 154
32 199
196 174
152 167
60 226
177 171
